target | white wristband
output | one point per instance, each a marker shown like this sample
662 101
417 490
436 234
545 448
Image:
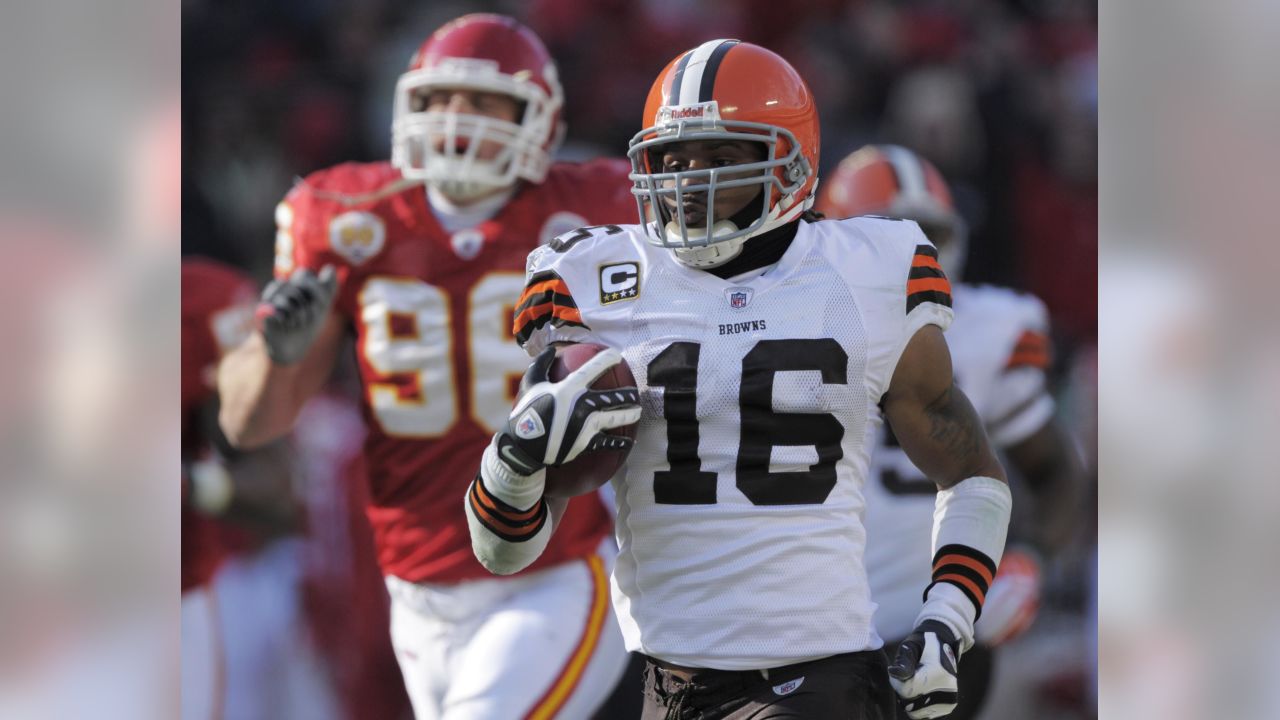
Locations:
970 522
520 491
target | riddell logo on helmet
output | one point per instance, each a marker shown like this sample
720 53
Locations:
706 112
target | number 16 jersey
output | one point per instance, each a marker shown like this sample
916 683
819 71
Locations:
740 506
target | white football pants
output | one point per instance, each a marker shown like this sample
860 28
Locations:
543 645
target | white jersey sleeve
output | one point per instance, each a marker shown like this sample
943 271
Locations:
1002 360
906 281
562 286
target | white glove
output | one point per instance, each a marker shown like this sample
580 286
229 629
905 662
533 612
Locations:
292 311
1012 601
555 422
924 673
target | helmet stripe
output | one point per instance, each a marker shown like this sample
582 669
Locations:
908 169
691 86
674 97
709 73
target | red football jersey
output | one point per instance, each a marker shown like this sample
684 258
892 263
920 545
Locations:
432 314
217 314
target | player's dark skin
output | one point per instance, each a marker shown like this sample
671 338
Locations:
705 155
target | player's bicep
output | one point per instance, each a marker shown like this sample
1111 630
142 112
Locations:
932 418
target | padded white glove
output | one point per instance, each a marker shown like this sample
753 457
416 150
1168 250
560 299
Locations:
555 422
924 673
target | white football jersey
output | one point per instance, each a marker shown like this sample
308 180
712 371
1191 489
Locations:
740 507
999 351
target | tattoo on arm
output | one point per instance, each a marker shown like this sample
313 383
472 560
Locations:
955 427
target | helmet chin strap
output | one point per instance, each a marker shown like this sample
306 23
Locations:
713 254
718 253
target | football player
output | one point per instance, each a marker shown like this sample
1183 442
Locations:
218 485
420 258
767 346
1000 352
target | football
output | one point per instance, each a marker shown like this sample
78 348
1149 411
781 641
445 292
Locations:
589 470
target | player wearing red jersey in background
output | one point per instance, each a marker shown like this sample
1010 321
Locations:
422 258
217 309
1000 352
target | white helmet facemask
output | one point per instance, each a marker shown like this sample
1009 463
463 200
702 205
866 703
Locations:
441 147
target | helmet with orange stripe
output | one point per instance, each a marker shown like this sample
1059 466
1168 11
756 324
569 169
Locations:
893 181
724 92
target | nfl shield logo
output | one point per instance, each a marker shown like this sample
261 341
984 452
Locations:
528 426
738 297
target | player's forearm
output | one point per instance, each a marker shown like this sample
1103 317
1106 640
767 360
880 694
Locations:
1051 466
259 399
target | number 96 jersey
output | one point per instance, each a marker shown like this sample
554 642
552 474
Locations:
740 507
431 311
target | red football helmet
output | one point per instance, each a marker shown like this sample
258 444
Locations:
893 181
484 53
725 90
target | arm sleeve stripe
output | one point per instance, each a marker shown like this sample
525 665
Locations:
927 250
970 588
928 261
535 294
926 284
558 317
1032 350
554 308
1039 360
965 568
497 506
984 573
546 298
496 525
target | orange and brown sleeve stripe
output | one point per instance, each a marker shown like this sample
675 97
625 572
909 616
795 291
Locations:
509 523
546 299
926 281
1032 350
965 568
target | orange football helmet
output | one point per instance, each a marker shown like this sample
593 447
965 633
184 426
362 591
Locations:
725 90
893 181
486 53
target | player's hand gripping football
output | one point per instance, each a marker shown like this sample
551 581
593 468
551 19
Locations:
924 673
292 312
555 422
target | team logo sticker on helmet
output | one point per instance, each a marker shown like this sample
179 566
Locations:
357 236
739 297
619 281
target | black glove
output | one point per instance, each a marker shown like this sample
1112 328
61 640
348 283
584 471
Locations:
292 312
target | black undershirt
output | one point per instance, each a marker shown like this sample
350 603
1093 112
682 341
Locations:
758 251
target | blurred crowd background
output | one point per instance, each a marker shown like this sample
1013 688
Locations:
1001 95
